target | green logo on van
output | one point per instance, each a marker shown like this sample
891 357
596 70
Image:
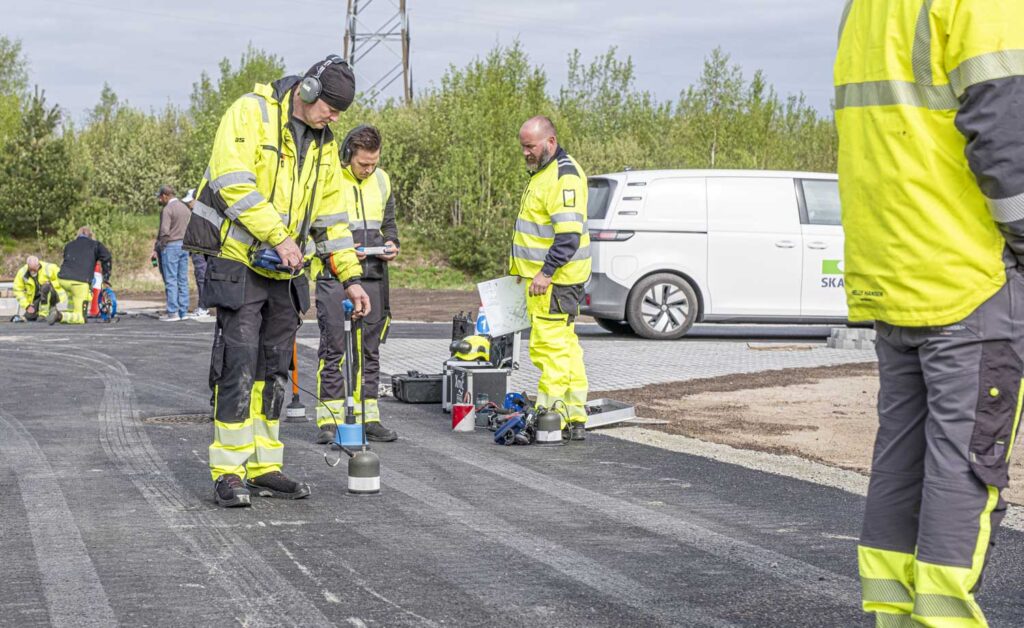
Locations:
831 267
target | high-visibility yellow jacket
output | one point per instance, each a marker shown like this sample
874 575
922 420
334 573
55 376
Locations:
25 284
373 217
928 108
551 229
255 192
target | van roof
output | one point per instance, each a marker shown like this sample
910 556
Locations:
646 175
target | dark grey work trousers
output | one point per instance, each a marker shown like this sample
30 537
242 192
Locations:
948 407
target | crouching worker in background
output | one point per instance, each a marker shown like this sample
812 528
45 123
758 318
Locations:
38 290
76 273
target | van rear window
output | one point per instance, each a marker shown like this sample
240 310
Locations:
599 197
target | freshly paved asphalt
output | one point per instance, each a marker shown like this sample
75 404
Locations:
107 517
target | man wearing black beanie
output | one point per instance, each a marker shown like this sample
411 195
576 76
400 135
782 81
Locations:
270 201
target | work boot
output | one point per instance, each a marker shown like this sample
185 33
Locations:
53 317
577 431
276 484
326 435
376 432
230 492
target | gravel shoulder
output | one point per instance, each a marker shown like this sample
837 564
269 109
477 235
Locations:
825 414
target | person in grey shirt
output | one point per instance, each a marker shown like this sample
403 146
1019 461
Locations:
198 261
173 258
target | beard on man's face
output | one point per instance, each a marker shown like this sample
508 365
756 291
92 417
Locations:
533 165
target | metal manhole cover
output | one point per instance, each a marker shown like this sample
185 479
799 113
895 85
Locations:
177 419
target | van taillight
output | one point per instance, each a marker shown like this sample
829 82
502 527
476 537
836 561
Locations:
587 299
611 236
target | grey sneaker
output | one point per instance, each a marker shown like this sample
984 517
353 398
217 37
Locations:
170 318
577 431
326 434
229 491
53 316
276 484
375 431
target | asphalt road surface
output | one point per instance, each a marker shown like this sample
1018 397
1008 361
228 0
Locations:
107 517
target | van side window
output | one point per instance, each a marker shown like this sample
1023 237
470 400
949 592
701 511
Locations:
599 197
679 204
821 198
752 205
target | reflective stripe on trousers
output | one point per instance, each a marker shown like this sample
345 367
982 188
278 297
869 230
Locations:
949 409
555 350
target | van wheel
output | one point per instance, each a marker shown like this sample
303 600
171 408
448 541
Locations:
662 307
614 325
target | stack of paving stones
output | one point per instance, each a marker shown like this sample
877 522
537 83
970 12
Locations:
846 338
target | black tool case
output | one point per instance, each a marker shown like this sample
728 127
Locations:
416 387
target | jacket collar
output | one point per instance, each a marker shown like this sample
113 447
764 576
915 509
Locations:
559 153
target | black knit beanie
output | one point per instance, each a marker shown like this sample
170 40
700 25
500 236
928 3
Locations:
339 84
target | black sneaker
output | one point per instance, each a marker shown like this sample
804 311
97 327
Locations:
577 431
53 316
326 434
376 432
275 484
230 492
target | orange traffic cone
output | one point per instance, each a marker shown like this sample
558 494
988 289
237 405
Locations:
97 283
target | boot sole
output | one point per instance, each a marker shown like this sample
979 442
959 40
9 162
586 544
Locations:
378 439
263 491
238 501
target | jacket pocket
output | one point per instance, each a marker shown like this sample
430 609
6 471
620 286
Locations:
202 235
996 414
225 284
566 300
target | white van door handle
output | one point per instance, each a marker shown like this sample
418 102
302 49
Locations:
818 246
785 244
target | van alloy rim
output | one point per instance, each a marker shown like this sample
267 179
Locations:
665 307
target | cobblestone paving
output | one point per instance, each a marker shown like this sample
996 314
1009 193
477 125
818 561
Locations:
616 364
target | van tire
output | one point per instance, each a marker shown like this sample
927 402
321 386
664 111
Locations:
614 325
670 294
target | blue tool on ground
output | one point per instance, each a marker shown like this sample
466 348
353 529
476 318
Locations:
349 433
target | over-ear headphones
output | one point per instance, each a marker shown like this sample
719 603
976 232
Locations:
310 88
346 144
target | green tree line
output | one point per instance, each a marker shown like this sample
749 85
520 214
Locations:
453 153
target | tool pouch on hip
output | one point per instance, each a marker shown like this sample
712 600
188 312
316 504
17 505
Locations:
566 300
225 284
997 412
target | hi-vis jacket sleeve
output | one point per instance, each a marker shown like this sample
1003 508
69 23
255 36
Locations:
232 175
985 64
330 229
20 287
565 206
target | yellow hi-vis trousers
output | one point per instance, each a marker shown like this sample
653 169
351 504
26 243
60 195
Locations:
555 350
79 297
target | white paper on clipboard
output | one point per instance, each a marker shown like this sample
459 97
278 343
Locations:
504 303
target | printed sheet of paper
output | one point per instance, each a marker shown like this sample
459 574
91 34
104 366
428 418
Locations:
504 303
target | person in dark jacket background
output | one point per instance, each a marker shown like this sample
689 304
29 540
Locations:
76 272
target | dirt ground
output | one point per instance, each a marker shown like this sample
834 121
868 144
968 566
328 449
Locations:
825 414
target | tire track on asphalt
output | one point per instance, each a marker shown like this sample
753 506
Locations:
570 563
690 531
72 588
259 595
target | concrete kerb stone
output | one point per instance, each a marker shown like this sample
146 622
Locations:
848 338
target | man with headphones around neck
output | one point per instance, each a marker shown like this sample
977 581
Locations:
373 226
270 200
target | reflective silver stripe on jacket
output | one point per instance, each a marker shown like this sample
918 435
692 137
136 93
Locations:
1007 210
250 200
369 225
263 106
986 67
208 213
567 217
383 185
238 232
232 178
883 93
534 229
330 246
538 255
323 221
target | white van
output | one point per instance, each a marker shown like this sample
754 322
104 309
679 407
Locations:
673 247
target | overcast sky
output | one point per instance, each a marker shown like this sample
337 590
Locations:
152 51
